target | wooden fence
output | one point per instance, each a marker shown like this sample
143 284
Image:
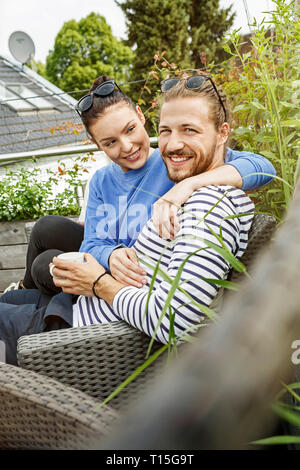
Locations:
14 238
13 248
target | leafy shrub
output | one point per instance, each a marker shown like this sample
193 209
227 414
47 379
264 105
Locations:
264 87
30 193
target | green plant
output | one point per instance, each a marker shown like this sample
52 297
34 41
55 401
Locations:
30 193
264 87
288 412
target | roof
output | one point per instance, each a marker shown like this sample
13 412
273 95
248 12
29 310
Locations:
32 129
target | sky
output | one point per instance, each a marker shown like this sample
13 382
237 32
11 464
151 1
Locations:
43 19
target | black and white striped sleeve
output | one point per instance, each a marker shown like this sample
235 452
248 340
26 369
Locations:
203 213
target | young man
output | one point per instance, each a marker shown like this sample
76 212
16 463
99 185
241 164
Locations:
193 135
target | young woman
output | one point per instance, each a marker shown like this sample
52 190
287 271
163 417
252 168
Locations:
123 194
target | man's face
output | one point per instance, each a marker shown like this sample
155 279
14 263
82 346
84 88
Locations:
188 141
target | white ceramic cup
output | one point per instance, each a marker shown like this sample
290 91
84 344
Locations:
73 256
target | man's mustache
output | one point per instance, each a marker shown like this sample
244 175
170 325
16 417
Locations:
179 153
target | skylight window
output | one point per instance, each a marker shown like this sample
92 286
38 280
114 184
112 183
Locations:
18 105
28 99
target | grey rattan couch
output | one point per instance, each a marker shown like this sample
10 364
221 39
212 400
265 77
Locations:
96 359
37 412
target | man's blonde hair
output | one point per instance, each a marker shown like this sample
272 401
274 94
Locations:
207 91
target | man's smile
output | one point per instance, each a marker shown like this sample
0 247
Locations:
178 160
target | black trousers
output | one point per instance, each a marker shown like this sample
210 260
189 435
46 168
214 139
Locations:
50 236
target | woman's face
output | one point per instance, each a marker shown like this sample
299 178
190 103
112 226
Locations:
121 134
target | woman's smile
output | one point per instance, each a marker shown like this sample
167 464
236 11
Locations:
134 156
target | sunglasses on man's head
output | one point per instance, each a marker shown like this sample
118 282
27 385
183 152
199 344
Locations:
105 89
192 83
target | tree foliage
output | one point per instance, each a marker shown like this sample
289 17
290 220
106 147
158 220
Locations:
85 49
208 24
156 25
152 27
187 33
184 28
38 67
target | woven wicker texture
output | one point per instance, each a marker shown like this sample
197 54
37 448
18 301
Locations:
98 358
37 412
94 359
261 232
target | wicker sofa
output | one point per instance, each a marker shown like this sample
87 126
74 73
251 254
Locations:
96 359
37 412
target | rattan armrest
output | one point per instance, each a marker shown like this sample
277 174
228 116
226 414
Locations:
95 359
37 412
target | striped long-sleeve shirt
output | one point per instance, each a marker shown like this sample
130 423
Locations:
191 256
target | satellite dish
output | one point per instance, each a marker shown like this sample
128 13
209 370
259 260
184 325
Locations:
21 46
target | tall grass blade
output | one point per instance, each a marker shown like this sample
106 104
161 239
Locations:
290 416
277 440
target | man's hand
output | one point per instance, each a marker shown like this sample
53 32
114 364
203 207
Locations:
76 278
125 268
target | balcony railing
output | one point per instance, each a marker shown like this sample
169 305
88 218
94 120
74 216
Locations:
54 152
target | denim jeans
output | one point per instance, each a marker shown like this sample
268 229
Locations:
25 312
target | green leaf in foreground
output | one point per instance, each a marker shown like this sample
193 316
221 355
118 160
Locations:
292 417
276 440
222 283
290 388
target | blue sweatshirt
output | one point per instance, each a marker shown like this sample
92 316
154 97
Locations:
120 203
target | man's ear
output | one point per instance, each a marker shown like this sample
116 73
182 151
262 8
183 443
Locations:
140 115
224 133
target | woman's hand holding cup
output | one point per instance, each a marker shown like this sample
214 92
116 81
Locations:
75 272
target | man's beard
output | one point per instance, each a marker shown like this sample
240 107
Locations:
199 165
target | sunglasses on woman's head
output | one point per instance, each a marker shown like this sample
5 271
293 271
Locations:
105 89
192 83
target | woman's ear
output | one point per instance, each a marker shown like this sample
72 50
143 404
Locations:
94 142
140 115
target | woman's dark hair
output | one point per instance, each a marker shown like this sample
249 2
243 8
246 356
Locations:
101 103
